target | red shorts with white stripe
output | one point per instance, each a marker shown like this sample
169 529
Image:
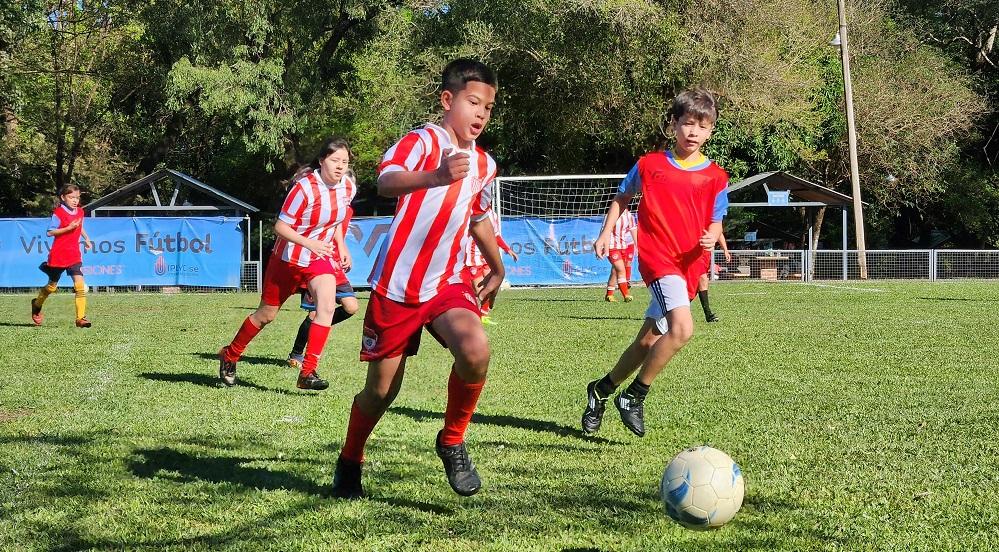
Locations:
283 279
392 328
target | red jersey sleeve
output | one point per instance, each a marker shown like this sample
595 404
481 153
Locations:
408 154
294 205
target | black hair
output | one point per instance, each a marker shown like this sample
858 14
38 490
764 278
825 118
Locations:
460 72
329 147
68 189
697 102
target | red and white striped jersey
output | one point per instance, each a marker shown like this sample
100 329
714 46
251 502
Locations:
425 247
621 236
313 209
473 256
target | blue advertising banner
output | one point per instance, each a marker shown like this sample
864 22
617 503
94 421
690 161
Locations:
551 252
155 251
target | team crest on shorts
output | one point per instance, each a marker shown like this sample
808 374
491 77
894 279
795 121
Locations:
470 298
369 339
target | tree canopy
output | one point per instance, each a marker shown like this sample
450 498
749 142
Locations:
239 94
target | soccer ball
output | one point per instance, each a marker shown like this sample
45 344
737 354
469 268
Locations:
702 488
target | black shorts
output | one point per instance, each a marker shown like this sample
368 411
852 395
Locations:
54 272
343 289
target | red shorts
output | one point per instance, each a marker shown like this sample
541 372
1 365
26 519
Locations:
392 328
627 255
283 279
475 272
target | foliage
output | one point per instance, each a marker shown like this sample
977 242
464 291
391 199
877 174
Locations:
132 445
240 94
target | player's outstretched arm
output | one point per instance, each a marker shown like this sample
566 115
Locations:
399 183
86 239
485 237
617 206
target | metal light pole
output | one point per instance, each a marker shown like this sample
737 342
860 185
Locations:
858 204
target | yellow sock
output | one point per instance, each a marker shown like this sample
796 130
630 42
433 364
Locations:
44 293
81 299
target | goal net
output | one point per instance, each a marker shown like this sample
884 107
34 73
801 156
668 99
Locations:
556 197
551 222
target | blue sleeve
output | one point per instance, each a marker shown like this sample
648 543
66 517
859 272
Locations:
54 223
632 183
721 206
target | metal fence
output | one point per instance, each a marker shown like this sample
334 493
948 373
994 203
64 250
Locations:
804 265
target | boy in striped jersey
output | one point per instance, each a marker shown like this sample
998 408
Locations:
684 201
442 180
621 255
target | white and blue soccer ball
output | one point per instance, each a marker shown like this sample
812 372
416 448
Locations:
702 488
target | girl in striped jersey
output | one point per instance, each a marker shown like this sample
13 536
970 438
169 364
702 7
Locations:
478 268
344 297
309 251
621 254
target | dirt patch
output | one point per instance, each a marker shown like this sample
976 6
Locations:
11 415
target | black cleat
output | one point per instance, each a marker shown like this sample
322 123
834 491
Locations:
594 413
460 470
347 480
712 318
227 369
312 382
632 412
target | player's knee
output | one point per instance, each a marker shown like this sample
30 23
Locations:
349 306
682 331
264 316
378 398
473 356
645 342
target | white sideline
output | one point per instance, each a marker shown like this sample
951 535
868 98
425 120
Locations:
872 290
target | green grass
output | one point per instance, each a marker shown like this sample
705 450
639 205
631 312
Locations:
862 418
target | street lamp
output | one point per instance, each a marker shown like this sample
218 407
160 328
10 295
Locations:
858 204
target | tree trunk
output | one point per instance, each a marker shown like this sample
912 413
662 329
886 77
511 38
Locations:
986 49
57 115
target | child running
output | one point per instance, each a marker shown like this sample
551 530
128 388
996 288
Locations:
684 200
478 268
310 251
344 294
66 227
442 180
621 255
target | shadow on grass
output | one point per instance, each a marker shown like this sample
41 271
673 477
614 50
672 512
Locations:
541 426
964 299
16 325
213 382
186 467
150 463
245 359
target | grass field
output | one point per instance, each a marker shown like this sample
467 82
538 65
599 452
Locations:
863 416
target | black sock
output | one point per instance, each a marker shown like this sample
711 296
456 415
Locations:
638 389
302 338
703 294
605 387
339 315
